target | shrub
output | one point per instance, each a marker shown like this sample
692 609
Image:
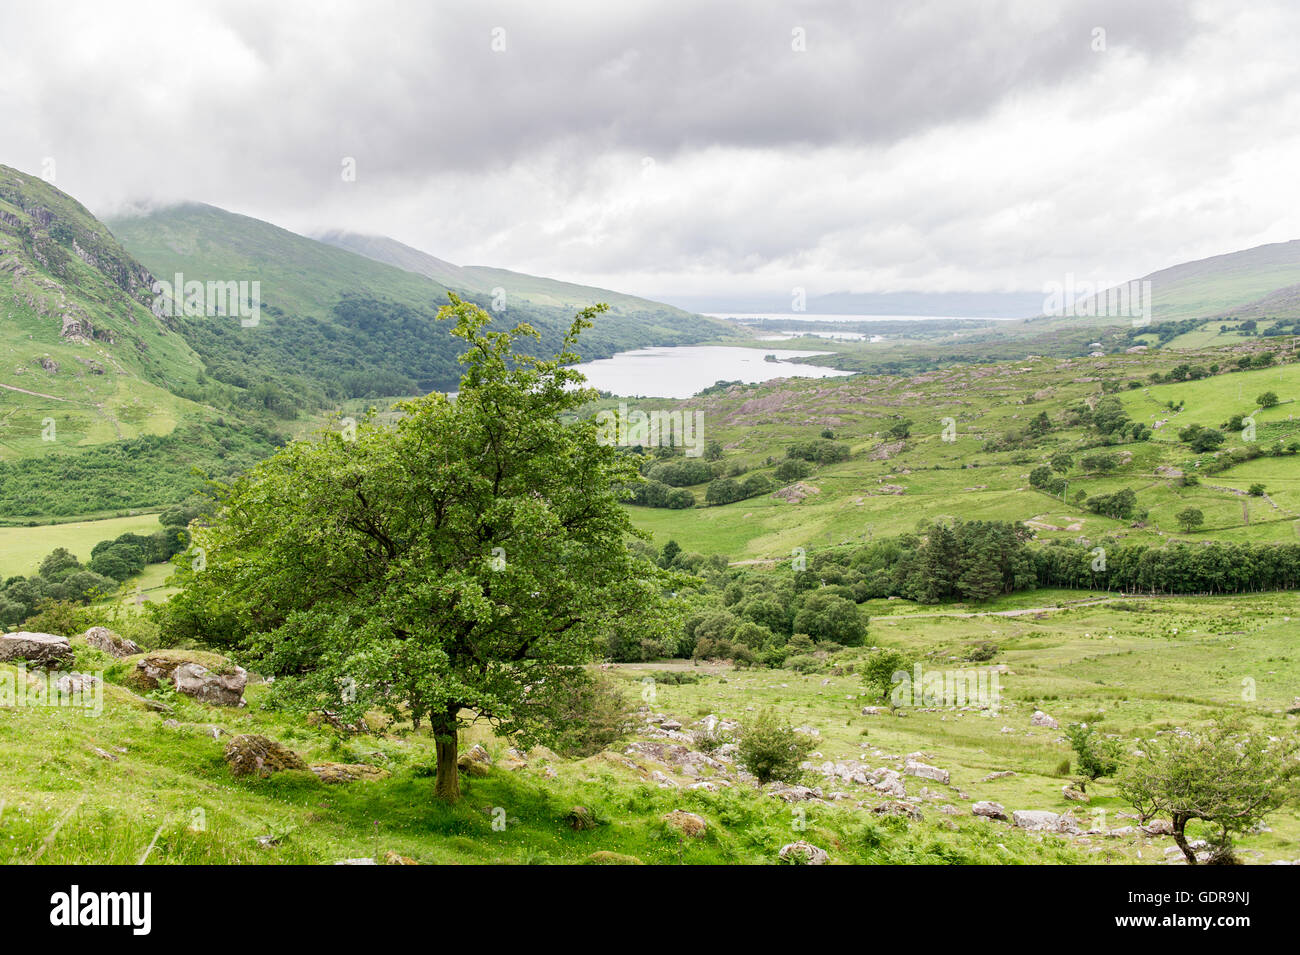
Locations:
770 749
591 716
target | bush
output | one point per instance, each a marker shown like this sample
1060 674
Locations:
590 716
878 672
770 749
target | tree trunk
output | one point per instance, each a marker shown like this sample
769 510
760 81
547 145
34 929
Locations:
447 784
1180 837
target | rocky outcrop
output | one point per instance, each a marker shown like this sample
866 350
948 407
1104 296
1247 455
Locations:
1042 719
925 771
475 761
989 810
219 689
336 773
802 853
38 649
686 823
252 755
115 645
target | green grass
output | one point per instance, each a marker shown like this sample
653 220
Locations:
23 548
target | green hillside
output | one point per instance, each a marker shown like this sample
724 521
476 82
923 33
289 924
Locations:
82 358
337 325
517 285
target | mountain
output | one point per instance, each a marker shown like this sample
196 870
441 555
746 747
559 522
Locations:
485 280
78 342
104 406
335 324
1261 282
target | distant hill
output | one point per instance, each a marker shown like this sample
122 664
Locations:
485 280
943 304
337 324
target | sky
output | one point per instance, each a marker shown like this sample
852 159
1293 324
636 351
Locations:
687 148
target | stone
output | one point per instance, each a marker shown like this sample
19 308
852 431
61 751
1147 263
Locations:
1042 719
115 645
38 649
396 858
250 754
1004 774
1158 827
926 771
1035 819
337 773
581 819
989 809
802 853
687 823
475 761
206 686
896 807
76 683
357 862
874 711
1073 794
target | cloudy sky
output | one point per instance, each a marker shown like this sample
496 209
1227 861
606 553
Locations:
685 148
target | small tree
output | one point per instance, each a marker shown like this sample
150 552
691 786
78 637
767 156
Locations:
1267 400
1225 775
1190 518
1256 490
1061 462
1097 755
771 749
878 672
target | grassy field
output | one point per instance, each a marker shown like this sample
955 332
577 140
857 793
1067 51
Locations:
943 470
124 778
23 548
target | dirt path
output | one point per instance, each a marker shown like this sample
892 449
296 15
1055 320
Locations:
999 613
36 394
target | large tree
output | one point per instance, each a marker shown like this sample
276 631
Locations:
461 563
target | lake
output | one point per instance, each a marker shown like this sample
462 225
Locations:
684 370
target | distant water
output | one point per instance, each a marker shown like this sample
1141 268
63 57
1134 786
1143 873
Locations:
685 370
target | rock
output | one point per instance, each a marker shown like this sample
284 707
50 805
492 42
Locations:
1036 819
475 761
395 858
999 775
925 771
115 645
103 754
76 683
874 711
335 773
1042 719
989 810
513 760
605 857
219 689
1074 795
670 725
581 819
1158 827
357 862
687 823
38 649
802 853
896 807
250 754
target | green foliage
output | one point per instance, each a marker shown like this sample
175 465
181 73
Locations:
879 669
468 558
770 749
1096 755
590 715
1190 518
1226 775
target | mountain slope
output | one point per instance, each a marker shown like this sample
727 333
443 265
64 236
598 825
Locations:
1252 283
83 360
517 285
335 324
